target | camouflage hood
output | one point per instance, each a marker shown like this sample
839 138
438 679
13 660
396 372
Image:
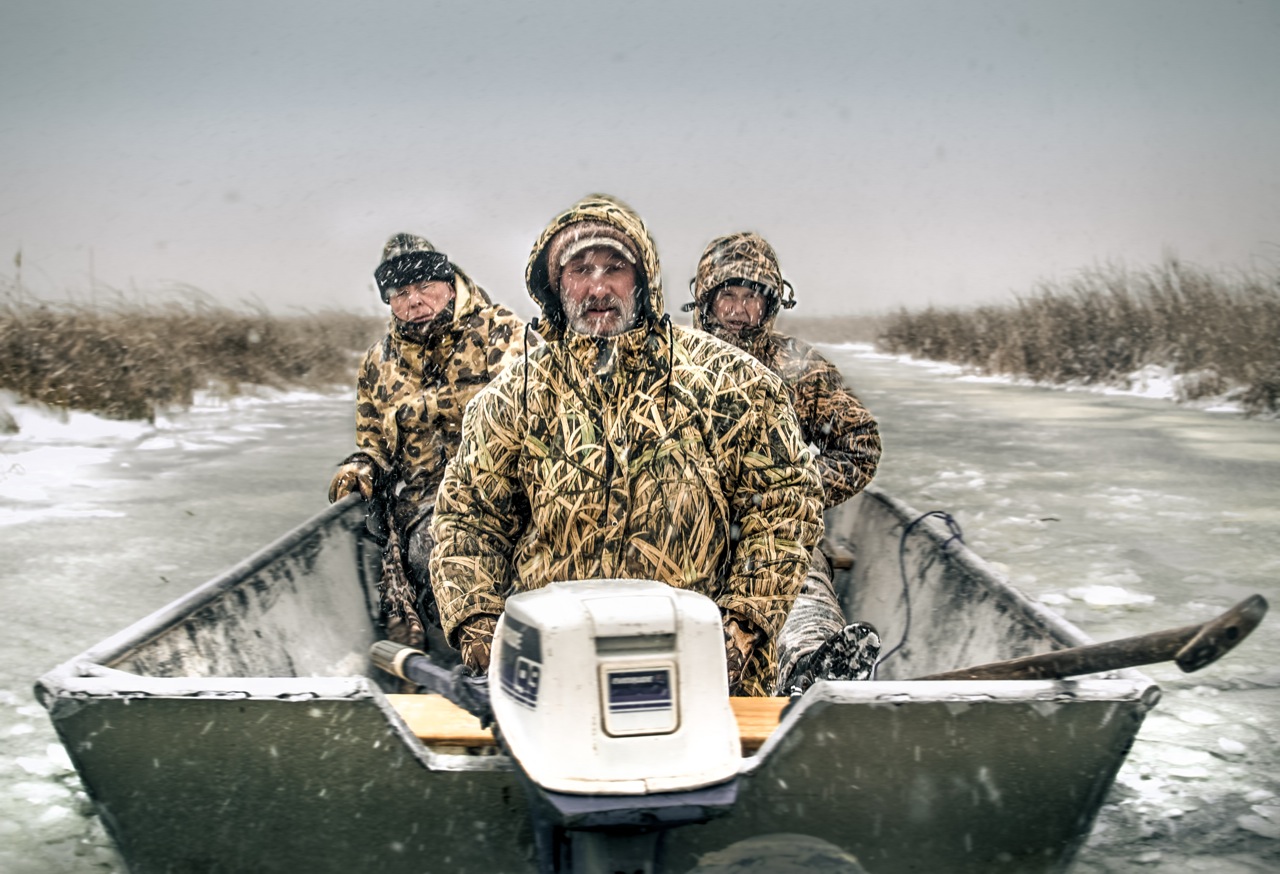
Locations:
661 453
746 259
599 209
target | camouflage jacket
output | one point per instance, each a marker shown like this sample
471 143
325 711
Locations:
833 419
662 454
410 396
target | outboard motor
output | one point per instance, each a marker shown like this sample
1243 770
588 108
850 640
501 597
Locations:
612 698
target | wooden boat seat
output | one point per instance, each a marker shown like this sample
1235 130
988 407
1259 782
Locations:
441 724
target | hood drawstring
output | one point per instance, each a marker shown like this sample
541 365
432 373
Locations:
665 322
524 395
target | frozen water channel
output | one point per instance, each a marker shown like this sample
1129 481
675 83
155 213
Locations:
1125 514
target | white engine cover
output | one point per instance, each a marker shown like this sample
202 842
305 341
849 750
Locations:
613 687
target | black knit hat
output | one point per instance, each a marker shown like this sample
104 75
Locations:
407 259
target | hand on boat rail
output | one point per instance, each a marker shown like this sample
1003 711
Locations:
1192 647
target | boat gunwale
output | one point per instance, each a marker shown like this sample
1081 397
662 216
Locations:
948 544
92 666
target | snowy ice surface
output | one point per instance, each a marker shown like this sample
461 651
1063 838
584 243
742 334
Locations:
1157 382
54 449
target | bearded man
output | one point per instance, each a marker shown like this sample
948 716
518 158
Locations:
625 447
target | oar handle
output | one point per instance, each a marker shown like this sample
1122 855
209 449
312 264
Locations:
1191 647
403 661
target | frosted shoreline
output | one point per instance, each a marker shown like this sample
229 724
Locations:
1154 382
45 450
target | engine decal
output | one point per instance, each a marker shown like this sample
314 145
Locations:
521 665
639 690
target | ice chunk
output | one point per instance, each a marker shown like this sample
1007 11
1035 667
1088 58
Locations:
54 814
1199 717
58 757
1259 826
35 766
1108 596
1184 756
41 793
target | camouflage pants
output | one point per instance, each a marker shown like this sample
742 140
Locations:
815 616
404 590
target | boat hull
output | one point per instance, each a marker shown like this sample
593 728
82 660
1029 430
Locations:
241 729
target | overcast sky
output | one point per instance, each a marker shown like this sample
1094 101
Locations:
895 153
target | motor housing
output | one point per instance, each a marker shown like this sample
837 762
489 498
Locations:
614 687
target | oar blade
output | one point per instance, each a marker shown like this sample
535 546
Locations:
1219 636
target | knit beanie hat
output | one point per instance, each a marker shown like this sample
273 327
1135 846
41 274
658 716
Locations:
580 236
407 259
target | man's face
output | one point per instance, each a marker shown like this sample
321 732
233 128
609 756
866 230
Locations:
738 307
598 293
421 301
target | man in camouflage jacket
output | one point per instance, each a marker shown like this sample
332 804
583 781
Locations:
447 340
738 291
625 447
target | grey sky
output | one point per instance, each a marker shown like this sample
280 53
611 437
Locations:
894 153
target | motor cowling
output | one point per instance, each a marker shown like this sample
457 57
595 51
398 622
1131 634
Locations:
614 687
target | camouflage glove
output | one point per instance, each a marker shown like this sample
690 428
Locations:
741 639
352 475
475 642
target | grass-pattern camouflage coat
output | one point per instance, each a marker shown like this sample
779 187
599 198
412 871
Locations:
831 416
662 453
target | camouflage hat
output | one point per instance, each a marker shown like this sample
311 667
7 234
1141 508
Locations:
407 259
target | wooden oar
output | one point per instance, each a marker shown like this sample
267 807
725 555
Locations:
1192 647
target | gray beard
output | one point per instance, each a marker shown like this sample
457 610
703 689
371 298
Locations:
575 316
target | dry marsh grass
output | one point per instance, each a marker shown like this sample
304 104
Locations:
125 359
834 329
1218 333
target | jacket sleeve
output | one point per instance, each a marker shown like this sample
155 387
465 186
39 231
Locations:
480 508
370 438
776 503
845 432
